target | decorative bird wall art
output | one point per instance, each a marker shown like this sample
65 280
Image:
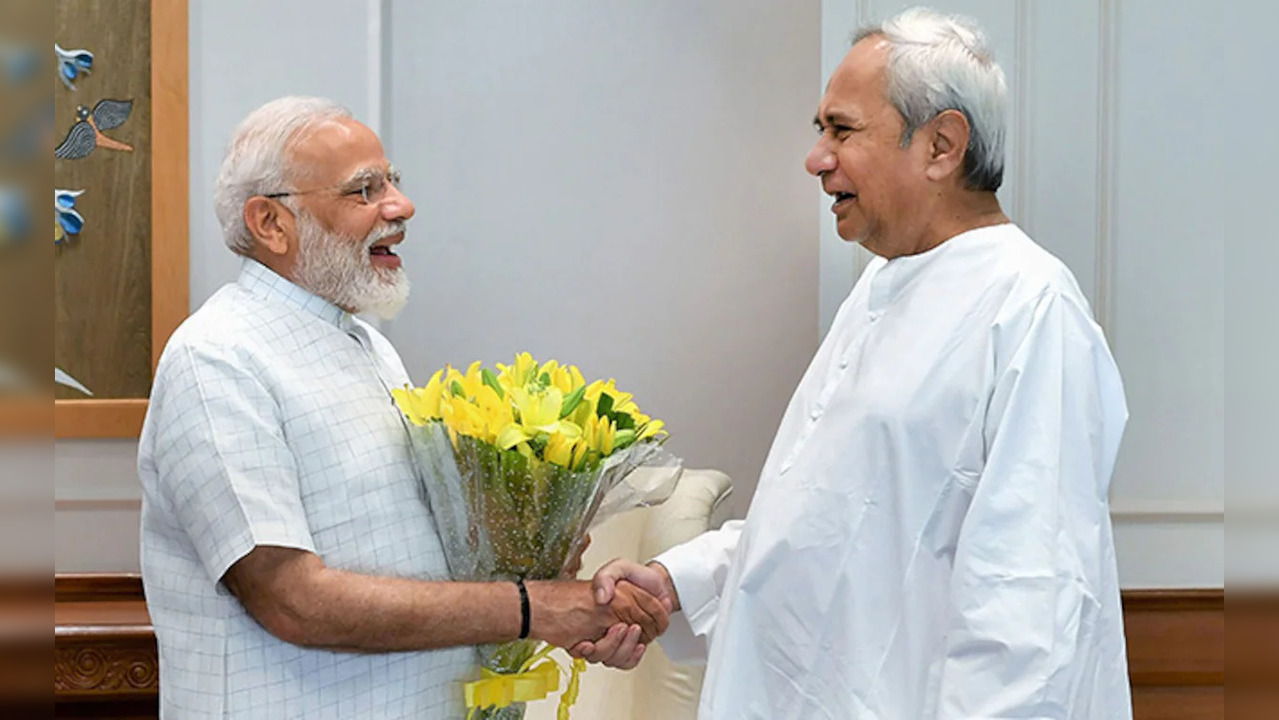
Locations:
67 221
72 64
86 135
62 377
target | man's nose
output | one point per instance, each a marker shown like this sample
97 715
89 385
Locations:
821 159
396 205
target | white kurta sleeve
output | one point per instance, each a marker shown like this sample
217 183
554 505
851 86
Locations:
698 568
223 467
1035 552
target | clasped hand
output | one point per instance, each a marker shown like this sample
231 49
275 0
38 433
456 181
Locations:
610 620
566 614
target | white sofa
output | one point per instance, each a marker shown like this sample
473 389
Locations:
657 689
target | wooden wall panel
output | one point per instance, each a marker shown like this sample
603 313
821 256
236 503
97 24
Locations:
104 655
136 283
1176 653
103 274
1179 703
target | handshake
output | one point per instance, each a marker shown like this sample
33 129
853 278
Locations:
610 620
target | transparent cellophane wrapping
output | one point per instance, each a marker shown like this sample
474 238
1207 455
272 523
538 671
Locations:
503 516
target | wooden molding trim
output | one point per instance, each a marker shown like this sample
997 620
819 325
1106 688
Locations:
128 586
98 418
106 672
103 643
1163 600
82 587
170 161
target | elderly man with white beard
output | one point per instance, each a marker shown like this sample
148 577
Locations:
291 565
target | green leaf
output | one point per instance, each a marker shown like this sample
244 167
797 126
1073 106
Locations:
623 438
456 389
571 401
624 421
605 406
491 380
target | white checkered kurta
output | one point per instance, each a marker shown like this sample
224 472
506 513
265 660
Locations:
271 423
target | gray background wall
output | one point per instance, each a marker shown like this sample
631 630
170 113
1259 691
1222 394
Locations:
646 162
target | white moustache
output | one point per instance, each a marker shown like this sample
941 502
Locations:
394 227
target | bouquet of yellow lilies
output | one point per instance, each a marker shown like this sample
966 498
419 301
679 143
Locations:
518 464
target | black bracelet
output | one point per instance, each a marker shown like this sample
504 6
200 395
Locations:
526 615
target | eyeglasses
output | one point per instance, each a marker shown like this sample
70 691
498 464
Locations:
371 187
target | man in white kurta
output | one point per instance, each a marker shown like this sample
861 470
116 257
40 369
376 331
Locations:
930 535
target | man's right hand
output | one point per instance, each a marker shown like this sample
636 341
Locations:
565 613
614 580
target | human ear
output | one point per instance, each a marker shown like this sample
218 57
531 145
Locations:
269 225
948 136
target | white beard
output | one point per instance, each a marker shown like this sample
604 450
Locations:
339 269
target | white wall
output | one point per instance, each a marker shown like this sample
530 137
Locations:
1252 254
1115 164
618 185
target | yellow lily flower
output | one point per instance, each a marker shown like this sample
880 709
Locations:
593 391
621 400
511 435
538 411
421 405
652 429
599 434
481 404
472 382
559 450
525 368
579 453
404 400
550 367
608 431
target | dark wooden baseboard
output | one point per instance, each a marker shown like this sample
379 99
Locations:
104 651
1176 653
105 664
78 587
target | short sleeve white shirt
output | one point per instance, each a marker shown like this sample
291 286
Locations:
271 423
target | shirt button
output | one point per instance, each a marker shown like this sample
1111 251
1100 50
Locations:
815 414
843 363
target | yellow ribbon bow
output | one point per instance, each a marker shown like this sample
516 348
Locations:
532 682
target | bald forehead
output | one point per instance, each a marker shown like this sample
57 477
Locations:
865 63
334 136
336 148
858 87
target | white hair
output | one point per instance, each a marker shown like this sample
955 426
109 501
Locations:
939 62
257 158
